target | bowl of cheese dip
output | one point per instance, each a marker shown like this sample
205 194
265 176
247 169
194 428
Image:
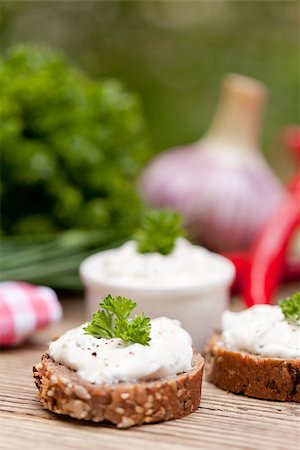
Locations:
191 284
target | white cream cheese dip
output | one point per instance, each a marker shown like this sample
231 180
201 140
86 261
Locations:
108 361
261 330
187 265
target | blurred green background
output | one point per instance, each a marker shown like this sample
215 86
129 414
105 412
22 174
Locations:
174 53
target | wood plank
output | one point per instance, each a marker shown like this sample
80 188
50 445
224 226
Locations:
223 421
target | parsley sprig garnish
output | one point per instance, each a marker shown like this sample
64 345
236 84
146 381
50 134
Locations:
159 231
291 308
113 321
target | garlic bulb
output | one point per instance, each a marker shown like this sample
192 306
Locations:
221 185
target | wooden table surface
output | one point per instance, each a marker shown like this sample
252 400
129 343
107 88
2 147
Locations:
223 421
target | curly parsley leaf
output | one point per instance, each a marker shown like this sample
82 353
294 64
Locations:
136 330
113 322
291 308
120 306
101 325
159 231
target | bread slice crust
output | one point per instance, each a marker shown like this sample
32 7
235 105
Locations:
63 391
252 375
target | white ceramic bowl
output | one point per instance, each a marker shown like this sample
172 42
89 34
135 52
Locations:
199 308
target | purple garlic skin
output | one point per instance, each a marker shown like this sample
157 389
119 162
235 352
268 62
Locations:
224 195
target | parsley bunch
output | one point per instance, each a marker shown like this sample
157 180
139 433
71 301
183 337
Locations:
159 232
71 147
291 308
113 321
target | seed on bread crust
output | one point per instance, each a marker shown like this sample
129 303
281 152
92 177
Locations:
81 392
63 391
252 375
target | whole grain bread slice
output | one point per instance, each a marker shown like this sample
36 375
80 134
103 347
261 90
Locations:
63 391
252 375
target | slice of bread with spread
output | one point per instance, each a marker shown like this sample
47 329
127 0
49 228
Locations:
63 391
252 375
126 371
256 354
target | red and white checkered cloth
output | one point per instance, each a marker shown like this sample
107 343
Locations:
24 309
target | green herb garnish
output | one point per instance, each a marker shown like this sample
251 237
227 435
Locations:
113 321
291 308
52 143
159 231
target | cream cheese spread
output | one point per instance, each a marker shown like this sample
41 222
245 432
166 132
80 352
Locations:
108 361
261 330
187 265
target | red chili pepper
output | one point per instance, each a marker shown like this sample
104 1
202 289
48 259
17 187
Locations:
241 261
268 254
260 271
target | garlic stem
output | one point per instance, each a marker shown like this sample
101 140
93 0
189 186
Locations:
238 117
